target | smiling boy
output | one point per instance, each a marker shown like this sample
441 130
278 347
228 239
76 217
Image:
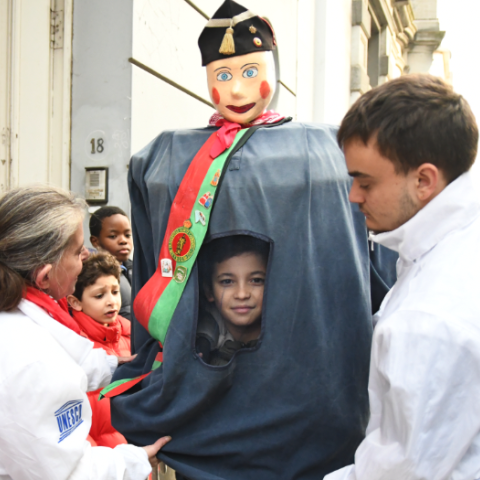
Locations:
233 276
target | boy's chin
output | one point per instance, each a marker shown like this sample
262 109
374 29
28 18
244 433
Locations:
106 321
122 258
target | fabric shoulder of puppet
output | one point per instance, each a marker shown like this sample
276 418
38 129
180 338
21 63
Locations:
157 170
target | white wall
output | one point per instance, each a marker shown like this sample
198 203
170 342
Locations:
5 57
333 26
459 20
306 83
165 39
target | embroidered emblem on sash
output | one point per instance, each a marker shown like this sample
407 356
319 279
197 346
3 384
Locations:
69 417
181 245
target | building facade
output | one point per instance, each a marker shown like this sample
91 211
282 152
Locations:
73 106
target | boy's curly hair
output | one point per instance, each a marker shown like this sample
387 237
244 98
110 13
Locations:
97 265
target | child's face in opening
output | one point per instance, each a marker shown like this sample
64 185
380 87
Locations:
100 301
115 237
238 284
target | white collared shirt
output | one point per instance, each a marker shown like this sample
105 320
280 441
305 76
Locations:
424 384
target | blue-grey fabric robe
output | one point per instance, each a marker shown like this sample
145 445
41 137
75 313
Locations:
296 406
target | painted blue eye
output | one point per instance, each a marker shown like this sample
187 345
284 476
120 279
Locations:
250 72
224 76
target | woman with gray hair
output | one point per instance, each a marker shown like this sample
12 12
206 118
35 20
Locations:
47 368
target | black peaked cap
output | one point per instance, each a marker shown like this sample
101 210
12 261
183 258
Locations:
211 38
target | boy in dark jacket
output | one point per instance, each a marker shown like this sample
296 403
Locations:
110 230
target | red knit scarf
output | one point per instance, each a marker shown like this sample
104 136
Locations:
57 310
96 331
229 130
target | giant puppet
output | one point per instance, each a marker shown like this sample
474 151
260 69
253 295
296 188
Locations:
296 405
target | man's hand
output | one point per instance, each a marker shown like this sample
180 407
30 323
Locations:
152 450
122 360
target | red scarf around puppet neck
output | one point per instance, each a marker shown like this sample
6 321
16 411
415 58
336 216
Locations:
57 310
228 131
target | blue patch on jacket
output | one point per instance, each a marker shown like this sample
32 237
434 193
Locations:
69 417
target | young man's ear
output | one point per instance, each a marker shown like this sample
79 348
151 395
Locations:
95 242
75 303
42 280
430 182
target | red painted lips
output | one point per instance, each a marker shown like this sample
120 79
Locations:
242 109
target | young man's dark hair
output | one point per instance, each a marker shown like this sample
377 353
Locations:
97 265
415 119
99 215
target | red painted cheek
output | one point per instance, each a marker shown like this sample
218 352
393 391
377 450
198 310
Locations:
265 89
215 96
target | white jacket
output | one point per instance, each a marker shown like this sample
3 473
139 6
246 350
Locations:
424 382
45 415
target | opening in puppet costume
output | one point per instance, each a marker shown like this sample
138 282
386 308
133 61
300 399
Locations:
295 406
233 272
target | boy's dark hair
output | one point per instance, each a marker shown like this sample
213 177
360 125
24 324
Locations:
97 265
221 249
415 119
99 215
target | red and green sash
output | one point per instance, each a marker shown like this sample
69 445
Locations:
187 226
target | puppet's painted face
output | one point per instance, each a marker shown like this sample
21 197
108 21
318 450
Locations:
242 87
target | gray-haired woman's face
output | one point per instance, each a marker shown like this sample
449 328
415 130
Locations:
63 275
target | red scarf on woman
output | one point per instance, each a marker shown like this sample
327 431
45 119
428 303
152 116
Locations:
228 131
57 310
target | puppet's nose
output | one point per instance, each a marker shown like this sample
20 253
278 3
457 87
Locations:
237 90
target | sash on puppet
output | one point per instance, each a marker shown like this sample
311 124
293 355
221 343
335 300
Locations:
295 406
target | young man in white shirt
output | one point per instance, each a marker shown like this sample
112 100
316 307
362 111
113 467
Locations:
409 145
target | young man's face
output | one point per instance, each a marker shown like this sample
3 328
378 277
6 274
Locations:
385 197
100 301
242 87
238 285
115 237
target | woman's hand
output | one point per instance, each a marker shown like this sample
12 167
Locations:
152 450
122 360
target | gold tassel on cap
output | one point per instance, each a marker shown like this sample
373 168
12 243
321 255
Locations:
228 45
